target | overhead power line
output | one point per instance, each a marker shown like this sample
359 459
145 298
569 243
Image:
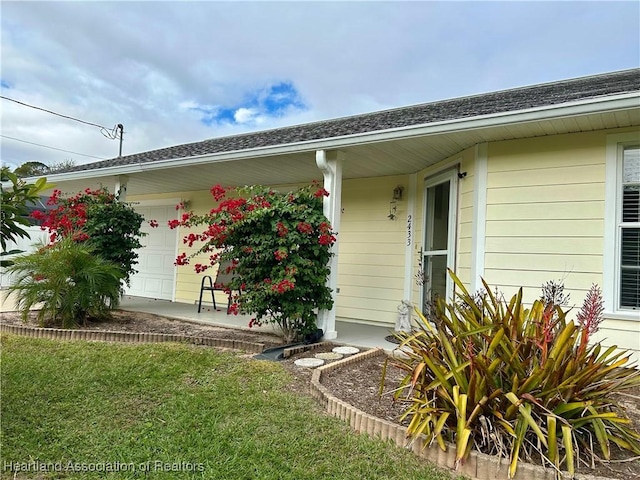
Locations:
53 113
116 132
52 148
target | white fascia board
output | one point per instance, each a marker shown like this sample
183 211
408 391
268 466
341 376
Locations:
591 106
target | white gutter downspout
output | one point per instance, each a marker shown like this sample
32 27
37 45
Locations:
332 208
120 189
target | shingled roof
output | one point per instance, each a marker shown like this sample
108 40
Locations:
512 100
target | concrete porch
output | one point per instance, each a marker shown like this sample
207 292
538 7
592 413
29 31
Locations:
354 334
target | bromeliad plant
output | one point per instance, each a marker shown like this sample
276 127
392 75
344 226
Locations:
516 381
278 246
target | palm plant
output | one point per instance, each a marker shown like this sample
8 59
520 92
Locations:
516 381
67 282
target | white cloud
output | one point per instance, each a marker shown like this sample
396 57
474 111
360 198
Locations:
245 115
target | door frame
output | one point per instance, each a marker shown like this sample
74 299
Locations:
449 175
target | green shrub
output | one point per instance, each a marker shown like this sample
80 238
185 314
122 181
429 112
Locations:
516 381
67 282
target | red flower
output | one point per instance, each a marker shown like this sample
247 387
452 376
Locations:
199 268
254 322
234 308
173 224
80 237
218 192
304 227
326 239
321 193
181 259
37 214
53 199
191 239
283 286
154 223
281 229
280 254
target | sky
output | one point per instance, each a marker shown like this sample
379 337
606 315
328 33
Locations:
178 72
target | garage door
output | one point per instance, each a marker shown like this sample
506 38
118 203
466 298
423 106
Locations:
155 277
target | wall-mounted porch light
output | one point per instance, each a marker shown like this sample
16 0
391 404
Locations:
393 205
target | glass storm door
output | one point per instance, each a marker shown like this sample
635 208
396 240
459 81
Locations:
439 241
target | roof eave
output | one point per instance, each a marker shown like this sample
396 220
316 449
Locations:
572 109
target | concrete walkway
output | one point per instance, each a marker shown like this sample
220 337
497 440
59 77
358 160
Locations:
348 333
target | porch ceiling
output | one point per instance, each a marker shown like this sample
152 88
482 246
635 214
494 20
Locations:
403 155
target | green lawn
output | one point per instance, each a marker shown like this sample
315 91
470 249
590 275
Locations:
173 411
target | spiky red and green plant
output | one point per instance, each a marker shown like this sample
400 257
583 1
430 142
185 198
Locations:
515 381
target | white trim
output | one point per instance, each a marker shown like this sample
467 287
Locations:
563 110
410 237
479 225
120 188
450 175
612 199
626 315
331 166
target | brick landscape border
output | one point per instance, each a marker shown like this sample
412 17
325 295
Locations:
478 466
130 337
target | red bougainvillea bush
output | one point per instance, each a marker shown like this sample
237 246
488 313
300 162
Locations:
278 246
110 227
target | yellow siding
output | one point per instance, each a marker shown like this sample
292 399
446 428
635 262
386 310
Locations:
371 250
530 182
545 220
465 217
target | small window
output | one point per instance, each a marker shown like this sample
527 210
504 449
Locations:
629 230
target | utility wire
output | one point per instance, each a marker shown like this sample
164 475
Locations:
109 133
52 148
53 113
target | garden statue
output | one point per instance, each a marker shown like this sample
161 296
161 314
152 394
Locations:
403 323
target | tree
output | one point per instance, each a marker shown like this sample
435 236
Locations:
31 169
278 245
16 196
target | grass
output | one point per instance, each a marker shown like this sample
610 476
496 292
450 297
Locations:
172 411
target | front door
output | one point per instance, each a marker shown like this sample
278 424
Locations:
439 241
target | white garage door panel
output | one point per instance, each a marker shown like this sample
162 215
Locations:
155 277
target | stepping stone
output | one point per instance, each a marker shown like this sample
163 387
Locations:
309 362
346 350
329 355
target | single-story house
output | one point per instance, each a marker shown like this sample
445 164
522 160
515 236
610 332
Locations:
518 187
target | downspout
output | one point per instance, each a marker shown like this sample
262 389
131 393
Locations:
332 208
120 189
